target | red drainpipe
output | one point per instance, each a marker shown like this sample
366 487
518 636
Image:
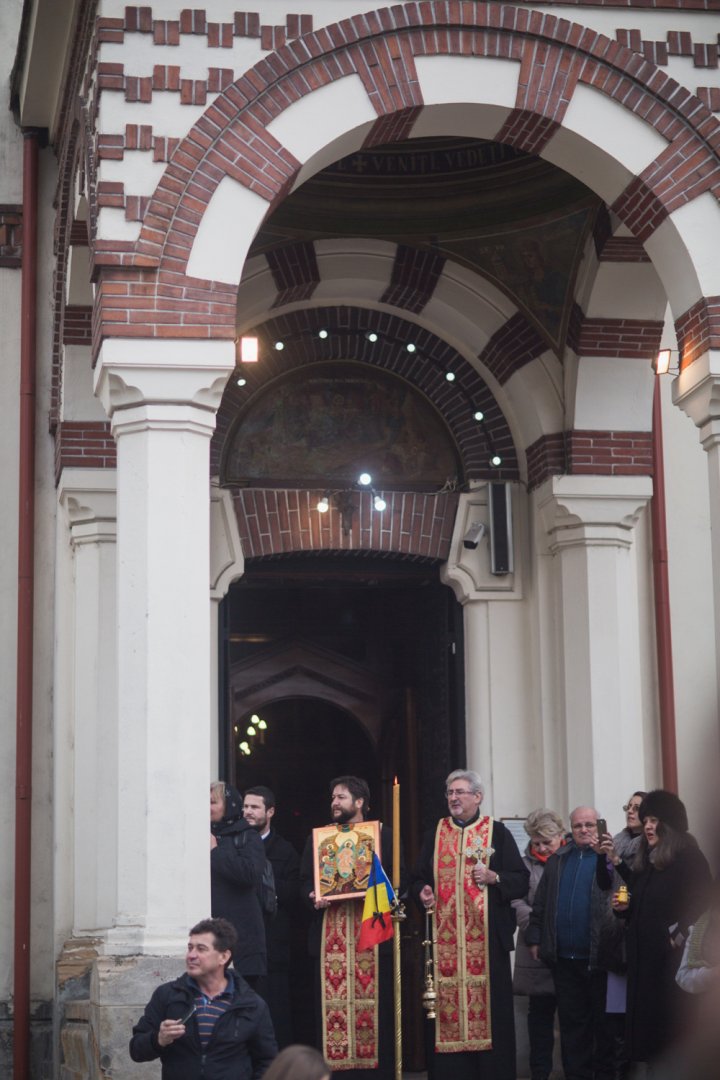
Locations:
26 536
663 633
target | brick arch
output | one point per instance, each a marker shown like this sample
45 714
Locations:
425 368
231 139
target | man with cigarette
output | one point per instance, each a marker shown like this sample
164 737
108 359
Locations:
208 1024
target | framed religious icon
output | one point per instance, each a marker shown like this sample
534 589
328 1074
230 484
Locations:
342 858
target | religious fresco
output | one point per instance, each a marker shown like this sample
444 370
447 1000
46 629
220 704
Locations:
342 858
322 425
513 218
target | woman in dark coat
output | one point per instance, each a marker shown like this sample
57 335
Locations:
669 888
237 860
533 977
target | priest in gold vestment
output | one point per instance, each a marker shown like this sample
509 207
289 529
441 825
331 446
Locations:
470 870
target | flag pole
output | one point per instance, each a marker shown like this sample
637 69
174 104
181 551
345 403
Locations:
398 915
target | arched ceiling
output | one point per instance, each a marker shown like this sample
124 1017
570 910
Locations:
513 218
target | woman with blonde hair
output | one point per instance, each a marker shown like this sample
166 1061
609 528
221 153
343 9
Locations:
532 977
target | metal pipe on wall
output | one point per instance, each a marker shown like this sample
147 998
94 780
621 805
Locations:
26 568
663 632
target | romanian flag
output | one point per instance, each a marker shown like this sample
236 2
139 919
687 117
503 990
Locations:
379 900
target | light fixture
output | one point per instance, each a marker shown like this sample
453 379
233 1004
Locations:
251 730
241 381
322 334
371 336
365 479
245 747
379 503
479 415
323 504
262 724
410 347
279 345
450 376
661 362
249 350
495 460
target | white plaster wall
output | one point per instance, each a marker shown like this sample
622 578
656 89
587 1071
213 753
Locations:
10 192
693 625
44 807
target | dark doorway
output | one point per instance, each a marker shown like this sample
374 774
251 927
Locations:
354 665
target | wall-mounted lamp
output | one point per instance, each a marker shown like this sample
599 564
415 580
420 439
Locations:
249 350
661 362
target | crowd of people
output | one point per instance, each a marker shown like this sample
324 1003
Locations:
616 936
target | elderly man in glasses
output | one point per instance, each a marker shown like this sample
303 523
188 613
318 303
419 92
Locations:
470 871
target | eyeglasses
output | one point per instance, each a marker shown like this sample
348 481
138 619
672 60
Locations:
457 791
631 806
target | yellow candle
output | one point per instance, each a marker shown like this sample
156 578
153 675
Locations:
396 837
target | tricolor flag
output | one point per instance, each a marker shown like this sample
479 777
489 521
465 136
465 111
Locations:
379 899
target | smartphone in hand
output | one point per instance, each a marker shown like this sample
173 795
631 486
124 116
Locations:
601 827
184 1019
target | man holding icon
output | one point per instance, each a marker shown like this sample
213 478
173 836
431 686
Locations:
208 1023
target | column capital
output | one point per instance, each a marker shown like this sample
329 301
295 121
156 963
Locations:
592 511
696 390
162 384
227 562
88 497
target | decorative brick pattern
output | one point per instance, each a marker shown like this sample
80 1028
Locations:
511 347
631 338
278 522
609 453
84 444
545 458
11 236
425 368
640 209
396 127
295 272
77 325
527 131
698 329
415 275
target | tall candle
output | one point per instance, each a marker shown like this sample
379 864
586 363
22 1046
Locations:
396 837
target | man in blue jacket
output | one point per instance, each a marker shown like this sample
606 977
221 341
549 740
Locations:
208 1024
564 931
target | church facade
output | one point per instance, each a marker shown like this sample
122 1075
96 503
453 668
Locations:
357 292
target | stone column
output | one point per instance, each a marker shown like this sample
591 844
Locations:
161 397
88 498
696 391
226 565
590 522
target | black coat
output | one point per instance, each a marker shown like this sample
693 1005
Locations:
285 862
236 868
660 898
542 928
241 1046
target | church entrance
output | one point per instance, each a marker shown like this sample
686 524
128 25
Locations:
337 665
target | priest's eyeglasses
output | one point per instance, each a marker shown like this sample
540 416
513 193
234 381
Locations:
457 791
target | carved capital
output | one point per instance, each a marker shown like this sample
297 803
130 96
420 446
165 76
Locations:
592 511
227 562
88 497
162 384
696 391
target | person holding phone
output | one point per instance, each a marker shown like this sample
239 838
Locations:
563 931
208 1024
668 890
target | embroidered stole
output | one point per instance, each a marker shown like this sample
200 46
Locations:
349 990
462 963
